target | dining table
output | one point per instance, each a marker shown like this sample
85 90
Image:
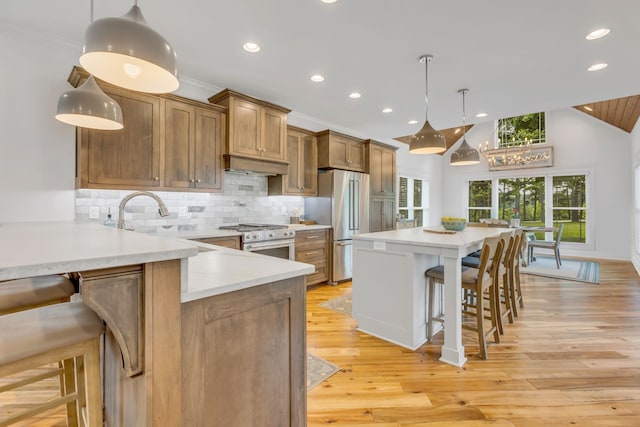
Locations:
389 297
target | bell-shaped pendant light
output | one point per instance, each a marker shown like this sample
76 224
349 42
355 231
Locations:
128 53
465 154
88 106
427 140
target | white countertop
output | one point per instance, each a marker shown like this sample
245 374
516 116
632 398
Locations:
305 227
225 270
417 236
204 233
39 248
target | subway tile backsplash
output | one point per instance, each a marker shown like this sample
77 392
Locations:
244 200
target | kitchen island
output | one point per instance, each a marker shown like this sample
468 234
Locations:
389 287
190 327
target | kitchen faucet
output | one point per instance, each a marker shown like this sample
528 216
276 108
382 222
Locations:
163 211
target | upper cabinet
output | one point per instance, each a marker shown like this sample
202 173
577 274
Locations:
339 151
167 143
257 133
302 179
381 167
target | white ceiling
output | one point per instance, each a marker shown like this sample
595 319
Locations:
516 57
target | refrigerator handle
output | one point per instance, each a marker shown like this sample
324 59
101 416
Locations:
350 201
356 205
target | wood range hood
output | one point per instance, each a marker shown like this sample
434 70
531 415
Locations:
254 167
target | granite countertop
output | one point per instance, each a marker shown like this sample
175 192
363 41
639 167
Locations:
39 248
218 270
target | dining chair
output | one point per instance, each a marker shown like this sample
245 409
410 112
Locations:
547 244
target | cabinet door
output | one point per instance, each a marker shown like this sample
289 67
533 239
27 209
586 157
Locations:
382 214
356 156
127 158
388 171
292 179
207 160
244 132
339 152
179 139
375 169
309 166
273 134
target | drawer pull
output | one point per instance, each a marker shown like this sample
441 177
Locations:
312 253
312 237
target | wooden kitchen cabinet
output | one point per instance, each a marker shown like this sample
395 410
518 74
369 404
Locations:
167 143
381 167
382 214
127 158
192 147
339 151
302 179
257 131
312 247
232 242
244 357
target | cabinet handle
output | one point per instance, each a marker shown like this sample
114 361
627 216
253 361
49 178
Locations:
156 178
312 237
312 253
191 181
197 180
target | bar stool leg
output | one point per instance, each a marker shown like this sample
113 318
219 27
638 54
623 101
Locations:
94 412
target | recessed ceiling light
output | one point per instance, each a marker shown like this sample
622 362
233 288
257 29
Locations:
598 67
413 122
596 34
586 107
251 47
317 78
457 131
329 1
481 115
387 110
354 95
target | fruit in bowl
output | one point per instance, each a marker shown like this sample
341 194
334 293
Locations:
452 223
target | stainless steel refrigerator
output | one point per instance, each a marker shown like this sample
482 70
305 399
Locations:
342 203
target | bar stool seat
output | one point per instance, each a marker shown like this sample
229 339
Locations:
40 336
22 294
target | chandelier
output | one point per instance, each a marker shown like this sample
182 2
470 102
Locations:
508 152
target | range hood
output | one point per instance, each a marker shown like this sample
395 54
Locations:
254 167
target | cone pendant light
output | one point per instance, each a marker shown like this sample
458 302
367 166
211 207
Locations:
465 154
427 140
128 53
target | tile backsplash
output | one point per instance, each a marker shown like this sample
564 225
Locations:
245 200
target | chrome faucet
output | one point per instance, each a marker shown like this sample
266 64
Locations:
163 211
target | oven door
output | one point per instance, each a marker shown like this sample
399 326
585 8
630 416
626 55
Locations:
276 248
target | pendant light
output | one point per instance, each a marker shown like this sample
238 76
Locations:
128 53
427 140
88 106
465 154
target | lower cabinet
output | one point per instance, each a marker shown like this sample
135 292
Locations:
312 247
232 242
382 214
244 355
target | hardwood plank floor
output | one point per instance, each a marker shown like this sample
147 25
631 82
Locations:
572 358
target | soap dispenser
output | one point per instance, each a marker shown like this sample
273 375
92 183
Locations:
109 222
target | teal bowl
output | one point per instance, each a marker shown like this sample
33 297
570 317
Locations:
454 225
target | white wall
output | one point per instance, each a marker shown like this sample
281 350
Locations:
581 144
635 161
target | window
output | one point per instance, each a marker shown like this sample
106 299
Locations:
521 198
479 200
413 200
521 129
540 201
569 207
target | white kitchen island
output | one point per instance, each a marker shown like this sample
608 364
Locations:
389 287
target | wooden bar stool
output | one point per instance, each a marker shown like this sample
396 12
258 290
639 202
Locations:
40 336
23 294
479 282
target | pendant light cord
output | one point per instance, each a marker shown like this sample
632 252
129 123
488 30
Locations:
426 60
464 116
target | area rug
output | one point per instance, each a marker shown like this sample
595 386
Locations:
571 269
341 304
318 370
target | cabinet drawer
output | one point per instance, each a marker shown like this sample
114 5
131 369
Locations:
311 254
319 276
228 242
311 239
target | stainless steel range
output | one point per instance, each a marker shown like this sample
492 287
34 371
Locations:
266 239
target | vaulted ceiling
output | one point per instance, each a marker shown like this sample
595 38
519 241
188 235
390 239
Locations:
514 57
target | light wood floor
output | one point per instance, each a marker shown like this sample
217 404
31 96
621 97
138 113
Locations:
571 359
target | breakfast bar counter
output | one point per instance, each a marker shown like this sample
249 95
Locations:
194 331
389 287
